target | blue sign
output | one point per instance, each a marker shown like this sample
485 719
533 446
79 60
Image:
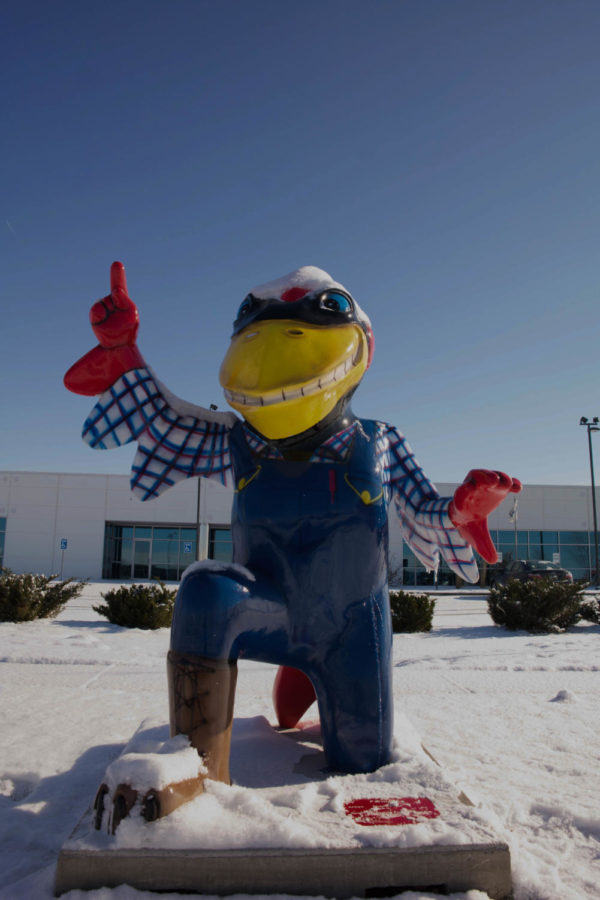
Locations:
187 546
63 543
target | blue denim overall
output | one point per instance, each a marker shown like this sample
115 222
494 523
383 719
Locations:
312 540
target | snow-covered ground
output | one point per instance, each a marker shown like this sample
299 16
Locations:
513 718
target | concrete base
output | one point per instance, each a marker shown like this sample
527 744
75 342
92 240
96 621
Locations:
456 849
368 872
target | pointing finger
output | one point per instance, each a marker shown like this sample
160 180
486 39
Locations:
118 285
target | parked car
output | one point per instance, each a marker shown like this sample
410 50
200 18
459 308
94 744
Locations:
526 569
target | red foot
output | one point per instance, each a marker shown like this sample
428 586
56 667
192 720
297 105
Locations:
293 693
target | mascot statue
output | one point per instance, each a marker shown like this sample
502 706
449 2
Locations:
307 588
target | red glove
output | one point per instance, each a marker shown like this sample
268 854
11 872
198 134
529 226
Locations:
480 493
115 322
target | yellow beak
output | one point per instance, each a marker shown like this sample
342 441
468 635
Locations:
284 376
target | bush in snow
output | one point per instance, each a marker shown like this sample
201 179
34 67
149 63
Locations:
139 605
411 612
27 597
590 609
539 606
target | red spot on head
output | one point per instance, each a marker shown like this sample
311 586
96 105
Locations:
294 293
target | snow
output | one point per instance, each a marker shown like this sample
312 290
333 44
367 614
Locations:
511 717
154 761
311 278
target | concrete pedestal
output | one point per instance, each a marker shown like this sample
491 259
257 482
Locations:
404 827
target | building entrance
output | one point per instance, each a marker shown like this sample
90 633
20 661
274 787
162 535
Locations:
143 552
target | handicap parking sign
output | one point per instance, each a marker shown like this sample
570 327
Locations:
63 543
187 546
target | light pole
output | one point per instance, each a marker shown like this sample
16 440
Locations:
594 425
514 515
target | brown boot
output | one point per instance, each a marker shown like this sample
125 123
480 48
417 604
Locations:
201 697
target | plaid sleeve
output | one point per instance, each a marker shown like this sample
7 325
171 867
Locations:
423 515
175 440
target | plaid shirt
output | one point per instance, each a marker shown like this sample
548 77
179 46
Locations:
178 440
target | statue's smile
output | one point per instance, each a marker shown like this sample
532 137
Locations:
285 376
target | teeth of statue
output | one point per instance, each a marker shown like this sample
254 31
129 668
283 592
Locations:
313 387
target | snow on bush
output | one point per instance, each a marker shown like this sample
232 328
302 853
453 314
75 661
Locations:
27 597
139 605
590 609
539 606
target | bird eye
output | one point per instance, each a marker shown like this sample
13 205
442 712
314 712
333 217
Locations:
335 302
245 306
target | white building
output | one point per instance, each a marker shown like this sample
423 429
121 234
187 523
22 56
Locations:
91 526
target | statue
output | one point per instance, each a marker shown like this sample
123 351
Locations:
307 589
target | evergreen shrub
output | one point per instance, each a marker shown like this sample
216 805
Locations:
411 612
539 606
147 606
27 597
590 609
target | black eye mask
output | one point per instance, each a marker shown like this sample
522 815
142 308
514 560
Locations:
332 307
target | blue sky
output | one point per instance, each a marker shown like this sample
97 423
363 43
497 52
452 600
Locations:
441 158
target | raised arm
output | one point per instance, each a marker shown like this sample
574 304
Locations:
115 321
175 439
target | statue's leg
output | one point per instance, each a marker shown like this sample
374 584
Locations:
211 609
353 683
202 662
201 698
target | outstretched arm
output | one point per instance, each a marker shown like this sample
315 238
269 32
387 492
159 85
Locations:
452 526
115 321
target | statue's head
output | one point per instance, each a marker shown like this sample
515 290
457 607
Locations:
299 348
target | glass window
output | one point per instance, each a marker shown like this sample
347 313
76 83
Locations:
141 531
549 536
188 534
222 552
573 557
574 537
121 531
220 546
165 534
507 537
409 557
120 564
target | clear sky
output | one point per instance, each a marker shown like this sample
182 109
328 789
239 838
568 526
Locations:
441 158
